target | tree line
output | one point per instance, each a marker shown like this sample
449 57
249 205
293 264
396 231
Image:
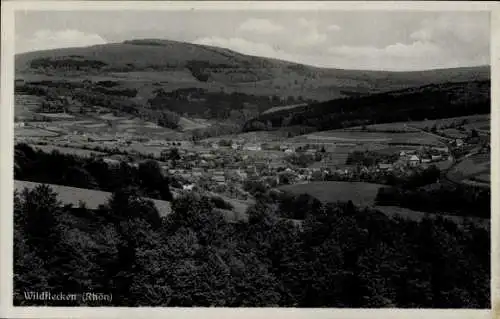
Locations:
92 173
427 102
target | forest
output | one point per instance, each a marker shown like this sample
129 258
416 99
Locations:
433 101
92 173
456 199
338 256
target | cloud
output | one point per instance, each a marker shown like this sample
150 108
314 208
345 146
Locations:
48 39
262 26
243 46
418 49
309 34
333 28
458 28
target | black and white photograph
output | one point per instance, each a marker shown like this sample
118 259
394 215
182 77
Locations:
250 158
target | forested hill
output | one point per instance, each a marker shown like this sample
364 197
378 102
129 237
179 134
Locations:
432 101
172 65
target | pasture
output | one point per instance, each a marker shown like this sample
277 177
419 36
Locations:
362 194
471 167
364 137
33 132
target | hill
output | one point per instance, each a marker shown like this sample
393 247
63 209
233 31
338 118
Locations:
189 78
433 101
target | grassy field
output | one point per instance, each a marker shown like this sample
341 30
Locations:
471 167
33 132
359 193
360 137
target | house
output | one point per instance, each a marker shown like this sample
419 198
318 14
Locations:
188 187
111 162
252 147
384 166
414 160
426 160
311 151
436 157
235 146
459 142
215 146
19 124
289 151
219 179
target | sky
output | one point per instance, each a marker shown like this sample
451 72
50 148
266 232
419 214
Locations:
373 40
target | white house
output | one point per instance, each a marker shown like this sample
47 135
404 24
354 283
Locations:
188 187
414 160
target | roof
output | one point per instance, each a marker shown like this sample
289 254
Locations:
414 158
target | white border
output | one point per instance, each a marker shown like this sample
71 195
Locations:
6 160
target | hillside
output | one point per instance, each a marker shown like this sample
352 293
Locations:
172 65
433 101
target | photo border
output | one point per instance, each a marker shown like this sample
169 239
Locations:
6 160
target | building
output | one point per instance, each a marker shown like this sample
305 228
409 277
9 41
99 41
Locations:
19 124
252 147
384 166
414 160
215 146
436 157
188 187
459 142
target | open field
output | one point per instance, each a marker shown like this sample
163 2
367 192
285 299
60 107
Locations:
281 108
33 132
476 121
473 166
360 137
362 194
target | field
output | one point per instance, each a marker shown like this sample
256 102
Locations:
362 194
33 132
281 108
481 121
476 166
361 137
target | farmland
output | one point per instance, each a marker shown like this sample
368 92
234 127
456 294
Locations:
476 167
362 194
361 137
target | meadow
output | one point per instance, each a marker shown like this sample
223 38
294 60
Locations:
476 166
360 137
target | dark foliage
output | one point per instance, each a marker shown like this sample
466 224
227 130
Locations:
457 199
91 173
340 256
428 102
